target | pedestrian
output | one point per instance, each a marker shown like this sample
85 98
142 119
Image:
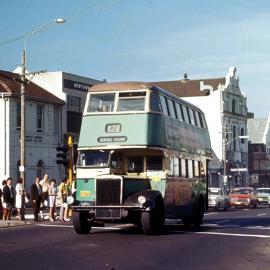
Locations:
52 198
45 193
20 199
4 205
63 194
36 197
1 204
9 198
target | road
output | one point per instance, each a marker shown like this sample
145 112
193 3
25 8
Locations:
237 239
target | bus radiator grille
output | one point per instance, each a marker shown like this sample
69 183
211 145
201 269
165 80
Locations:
108 192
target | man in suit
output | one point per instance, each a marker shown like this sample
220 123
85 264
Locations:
36 196
9 197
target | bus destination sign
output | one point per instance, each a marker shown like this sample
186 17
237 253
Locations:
112 139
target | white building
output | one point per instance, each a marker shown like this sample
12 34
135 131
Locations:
225 110
42 130
259 151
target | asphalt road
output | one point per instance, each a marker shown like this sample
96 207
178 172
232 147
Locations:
237 239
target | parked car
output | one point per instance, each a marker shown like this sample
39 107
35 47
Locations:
218 199
263 195
243 196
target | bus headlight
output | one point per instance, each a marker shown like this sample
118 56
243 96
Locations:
141 200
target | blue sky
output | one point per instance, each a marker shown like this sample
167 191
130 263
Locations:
148 40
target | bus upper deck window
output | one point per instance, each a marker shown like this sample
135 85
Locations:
155 105
131 101
101 103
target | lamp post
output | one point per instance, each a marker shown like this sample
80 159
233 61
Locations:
225 143
23 85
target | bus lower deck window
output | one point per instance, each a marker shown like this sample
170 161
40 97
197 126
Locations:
135 164
154 163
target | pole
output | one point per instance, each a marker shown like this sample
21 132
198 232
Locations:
225 157
70 160
22 150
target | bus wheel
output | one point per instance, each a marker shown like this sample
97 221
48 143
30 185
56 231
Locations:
198 214
152 222
81 223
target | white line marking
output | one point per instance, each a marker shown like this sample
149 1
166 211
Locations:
236 234
54 225
208 214
223 221
263 214
245 209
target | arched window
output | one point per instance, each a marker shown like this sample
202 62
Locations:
40 169
233 106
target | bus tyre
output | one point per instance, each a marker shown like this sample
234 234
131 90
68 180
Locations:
80 222
152 222
187 221
198 214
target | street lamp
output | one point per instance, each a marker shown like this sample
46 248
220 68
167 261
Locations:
23 83
225 177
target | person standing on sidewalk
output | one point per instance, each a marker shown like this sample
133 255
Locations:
36 197
20 199
63 194
45 193
4 183
9 197
1 204
52 198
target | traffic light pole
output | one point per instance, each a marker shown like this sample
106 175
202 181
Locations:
70 160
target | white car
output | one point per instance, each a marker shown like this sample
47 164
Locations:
218 199
263 195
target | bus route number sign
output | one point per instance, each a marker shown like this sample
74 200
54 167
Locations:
112 139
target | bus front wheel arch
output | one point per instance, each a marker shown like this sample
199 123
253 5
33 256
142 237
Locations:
81 223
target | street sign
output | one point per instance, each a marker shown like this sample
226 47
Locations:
238 169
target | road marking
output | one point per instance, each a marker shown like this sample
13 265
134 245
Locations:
263 214
245 209
236 234
208 214
54 225
223 221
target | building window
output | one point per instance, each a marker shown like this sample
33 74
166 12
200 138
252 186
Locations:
40 169
242 134
233 137
18 115
39 118
74 103
233 106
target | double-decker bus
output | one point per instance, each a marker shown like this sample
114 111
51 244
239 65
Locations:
142 157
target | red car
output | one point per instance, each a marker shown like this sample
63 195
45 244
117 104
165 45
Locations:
243 196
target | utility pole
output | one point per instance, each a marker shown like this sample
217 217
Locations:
22 148
225 177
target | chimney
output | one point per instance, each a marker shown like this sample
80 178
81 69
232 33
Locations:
185 79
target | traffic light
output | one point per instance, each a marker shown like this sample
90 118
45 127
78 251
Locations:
62 157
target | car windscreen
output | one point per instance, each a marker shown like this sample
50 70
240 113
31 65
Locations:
262 191
213 192
241 191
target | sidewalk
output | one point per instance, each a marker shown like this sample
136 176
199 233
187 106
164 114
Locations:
14 223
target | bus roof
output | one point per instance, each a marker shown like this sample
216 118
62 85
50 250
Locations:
135 85
124 86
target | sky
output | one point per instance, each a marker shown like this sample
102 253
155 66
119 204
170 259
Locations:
143 40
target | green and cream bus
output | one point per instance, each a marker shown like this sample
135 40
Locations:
142 157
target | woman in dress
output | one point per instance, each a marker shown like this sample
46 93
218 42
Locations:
52 191
19 200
